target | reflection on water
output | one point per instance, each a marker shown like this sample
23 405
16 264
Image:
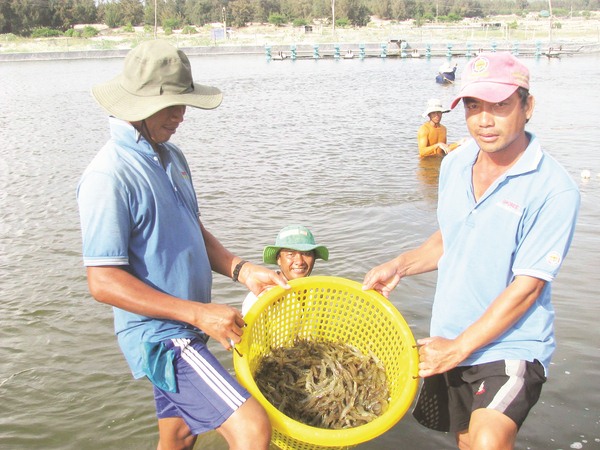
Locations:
331 144
428 174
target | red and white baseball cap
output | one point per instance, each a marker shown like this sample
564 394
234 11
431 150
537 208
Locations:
492 77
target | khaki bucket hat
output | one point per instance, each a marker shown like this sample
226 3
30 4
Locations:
294 237
156 75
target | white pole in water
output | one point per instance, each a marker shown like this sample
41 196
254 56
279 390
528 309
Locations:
333 16
155 17
550 8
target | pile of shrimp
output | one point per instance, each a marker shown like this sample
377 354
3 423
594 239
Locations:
324 384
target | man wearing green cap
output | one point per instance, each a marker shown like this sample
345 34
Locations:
295 252
149 256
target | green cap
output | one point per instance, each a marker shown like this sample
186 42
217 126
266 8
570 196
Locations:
294 237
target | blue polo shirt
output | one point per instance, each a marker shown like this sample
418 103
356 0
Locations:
139 215
522 225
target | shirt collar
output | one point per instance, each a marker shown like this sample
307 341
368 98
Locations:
125 134
528 161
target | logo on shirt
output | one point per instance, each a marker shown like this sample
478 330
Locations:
481 389
553 258
184 174
510 206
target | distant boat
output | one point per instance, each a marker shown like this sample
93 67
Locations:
349 55
554 52
446 74
279 56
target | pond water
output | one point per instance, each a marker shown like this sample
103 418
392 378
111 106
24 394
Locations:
330 144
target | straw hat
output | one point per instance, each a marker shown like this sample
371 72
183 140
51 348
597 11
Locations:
156 75
434 105
294 237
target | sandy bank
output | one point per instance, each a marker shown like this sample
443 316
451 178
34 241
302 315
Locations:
508 33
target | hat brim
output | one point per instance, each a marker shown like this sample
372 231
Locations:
125 106
487 91
270 252
429 111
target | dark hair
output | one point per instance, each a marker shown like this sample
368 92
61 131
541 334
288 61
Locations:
523 95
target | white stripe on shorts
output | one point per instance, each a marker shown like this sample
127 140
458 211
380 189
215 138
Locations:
515 369
211 377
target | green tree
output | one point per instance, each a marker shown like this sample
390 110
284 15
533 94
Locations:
360 16
523 5
399 10
242 12
201 12
264 8
7 18
168 12
23 16
30 14
354 10
321 8
111 15
382 9
467 8
66 13
132 11
277 19
298 8
172 14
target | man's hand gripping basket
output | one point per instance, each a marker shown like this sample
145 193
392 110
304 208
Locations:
332 309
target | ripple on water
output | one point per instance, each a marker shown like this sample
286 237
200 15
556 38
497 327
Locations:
331 145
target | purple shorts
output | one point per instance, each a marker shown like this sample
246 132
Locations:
511 387
207 394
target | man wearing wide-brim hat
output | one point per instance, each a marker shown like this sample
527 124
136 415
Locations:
432 135
149 256
295 252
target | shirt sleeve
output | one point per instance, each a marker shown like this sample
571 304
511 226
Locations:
105 220
548 233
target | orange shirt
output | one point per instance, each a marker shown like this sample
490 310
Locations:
428 138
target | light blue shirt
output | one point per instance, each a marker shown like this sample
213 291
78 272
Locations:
139 215
522 225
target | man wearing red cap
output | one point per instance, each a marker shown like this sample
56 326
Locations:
506 214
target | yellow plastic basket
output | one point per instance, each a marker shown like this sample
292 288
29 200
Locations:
332 309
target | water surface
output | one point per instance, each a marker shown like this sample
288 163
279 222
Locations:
330 144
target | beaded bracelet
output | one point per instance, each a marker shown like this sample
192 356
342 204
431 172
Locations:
236 271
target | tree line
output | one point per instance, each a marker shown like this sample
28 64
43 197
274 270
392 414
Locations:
23 17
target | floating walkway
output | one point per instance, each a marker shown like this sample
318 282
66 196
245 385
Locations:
401 49
391 49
